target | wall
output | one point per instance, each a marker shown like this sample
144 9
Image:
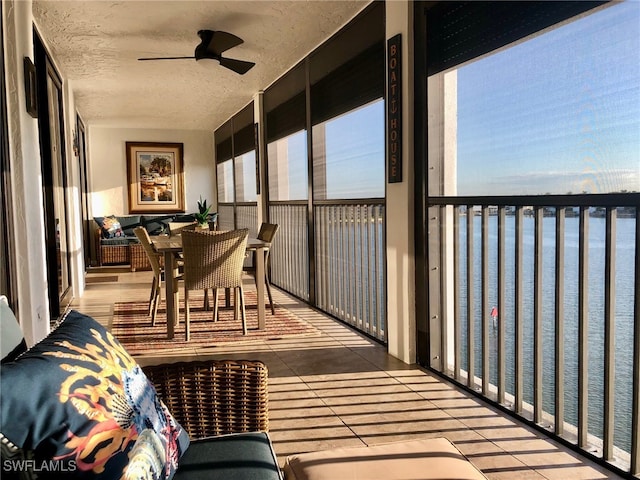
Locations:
74 205
26 177
106 159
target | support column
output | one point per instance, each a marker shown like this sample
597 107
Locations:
401 293
261 155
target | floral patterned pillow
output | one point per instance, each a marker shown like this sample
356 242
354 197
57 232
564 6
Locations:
78 402
109 227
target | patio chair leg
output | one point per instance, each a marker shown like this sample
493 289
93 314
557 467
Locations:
157 295
176 304
205 303
236 304
152 295
187 325
215 304
244 313
268 285
177 307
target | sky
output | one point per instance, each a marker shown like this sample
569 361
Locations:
355 156
556 114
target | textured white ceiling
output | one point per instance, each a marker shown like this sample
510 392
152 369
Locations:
96 45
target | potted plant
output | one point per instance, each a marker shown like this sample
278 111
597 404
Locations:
202 217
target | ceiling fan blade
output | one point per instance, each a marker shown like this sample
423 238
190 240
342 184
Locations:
211 46
222 41
238 66
165 58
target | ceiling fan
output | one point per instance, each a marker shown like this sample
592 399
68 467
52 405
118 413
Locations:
212 45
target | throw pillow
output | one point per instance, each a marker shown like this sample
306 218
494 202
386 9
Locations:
109 227
79 402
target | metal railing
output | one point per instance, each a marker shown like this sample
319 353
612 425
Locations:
539 312
350 270
247 217
348 261
242 215
226 218
290 249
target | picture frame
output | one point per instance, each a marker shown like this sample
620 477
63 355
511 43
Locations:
30 87
155 177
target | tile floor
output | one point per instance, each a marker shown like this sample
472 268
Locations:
340 389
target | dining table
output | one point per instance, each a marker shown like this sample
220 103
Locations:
171 247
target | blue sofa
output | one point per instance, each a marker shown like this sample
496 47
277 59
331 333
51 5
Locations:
116 244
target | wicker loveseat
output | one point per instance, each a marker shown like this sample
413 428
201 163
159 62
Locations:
77 405
119 245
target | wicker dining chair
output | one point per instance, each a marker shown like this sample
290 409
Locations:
176 228
213 260
158 270
267 233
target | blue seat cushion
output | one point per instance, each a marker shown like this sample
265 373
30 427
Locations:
241 456
128 223
187 217
156 224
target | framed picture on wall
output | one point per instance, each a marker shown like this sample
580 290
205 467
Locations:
155 177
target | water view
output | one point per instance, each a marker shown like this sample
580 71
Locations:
624 315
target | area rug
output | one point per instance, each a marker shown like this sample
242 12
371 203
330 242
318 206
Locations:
132 326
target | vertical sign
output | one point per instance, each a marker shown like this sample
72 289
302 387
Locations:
394 109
